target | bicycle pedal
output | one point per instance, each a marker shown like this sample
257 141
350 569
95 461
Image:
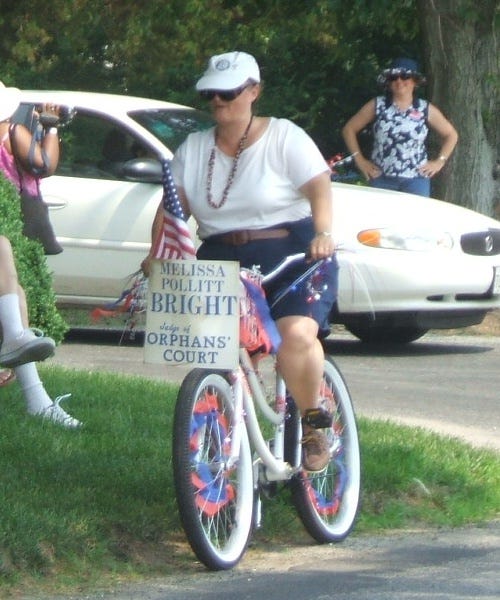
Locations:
317 418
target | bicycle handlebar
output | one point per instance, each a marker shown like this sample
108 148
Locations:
283 265
287 262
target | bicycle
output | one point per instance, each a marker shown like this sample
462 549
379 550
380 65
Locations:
219 483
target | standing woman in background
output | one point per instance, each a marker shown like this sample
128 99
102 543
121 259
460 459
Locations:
401 124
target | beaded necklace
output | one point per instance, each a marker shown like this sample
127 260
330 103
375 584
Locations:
232 173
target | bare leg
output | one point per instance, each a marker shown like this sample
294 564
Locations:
14 315
23 306
300 360
20 344
8 274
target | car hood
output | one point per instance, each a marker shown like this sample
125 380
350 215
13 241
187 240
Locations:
357 208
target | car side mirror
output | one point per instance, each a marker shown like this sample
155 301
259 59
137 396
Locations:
143 170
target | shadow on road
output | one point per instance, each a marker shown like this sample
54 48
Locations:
352 347
111 337
332 345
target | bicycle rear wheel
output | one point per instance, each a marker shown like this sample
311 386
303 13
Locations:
327 502
215 499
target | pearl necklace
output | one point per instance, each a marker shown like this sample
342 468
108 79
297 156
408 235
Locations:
232 173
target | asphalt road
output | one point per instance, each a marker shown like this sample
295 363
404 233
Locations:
444 565
450 384
447 384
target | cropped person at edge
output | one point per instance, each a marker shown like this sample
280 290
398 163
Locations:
401 124
21 346
266 175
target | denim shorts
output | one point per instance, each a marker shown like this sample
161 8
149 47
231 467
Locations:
314 297
421 186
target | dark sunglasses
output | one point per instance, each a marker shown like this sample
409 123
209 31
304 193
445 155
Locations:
403 76
225 95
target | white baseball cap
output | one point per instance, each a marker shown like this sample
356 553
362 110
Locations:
229 71
9 101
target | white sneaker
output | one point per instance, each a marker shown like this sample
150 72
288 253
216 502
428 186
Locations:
57 415
30 346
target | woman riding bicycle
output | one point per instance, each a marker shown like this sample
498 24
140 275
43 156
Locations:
259 190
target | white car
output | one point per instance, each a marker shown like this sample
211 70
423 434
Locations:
408 264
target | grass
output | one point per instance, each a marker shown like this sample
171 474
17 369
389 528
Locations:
82 508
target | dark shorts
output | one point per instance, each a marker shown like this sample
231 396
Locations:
267 254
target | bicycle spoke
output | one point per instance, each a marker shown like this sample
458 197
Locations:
214 500
327 501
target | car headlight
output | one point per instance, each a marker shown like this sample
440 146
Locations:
397 239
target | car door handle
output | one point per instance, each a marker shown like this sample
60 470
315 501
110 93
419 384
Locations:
56 204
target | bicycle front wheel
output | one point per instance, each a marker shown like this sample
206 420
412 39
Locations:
214 495
327 502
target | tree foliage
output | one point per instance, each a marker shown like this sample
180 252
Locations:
319 58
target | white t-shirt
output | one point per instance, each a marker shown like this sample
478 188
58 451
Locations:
265 189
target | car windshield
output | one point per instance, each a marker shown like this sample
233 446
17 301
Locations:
171 126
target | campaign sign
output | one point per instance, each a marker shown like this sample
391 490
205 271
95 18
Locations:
193 313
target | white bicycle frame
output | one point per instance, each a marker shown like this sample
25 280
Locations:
247 393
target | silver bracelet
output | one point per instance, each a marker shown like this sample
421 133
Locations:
325 233
52 130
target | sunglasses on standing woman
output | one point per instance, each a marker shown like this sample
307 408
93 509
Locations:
405 75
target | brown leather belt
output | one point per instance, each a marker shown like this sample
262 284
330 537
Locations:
238 237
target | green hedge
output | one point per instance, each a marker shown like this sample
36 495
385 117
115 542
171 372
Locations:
32 268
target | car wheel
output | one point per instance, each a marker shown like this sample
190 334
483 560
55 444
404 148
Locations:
386 334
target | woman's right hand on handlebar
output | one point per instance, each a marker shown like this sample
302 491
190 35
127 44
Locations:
321 246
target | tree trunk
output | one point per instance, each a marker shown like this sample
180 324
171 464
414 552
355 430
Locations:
462 67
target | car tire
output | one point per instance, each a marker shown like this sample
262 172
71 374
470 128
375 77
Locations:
386 334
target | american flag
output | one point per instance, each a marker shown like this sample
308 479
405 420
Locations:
174 240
